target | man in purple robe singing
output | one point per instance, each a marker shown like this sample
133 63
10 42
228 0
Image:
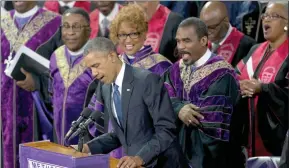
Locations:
203 90
38 30
71 79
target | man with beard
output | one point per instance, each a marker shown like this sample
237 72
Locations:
101 18
203 90
38 30
225 40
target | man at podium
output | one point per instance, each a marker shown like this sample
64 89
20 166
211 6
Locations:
139 107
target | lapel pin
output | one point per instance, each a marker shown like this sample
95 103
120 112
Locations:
128 90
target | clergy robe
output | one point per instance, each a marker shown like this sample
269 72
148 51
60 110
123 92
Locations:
19 120
146 58
54 6
71 80
94 23
162 28
266 114
235 47
284 161
214 88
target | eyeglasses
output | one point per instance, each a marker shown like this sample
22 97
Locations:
273 16
75 27
130 35
214 27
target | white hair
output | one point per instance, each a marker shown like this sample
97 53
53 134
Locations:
284 3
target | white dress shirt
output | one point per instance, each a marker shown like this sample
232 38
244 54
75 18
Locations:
226 36
203 59
29 13
118 82
109 17
69 4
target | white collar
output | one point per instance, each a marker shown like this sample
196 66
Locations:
80 51
29 13
201 61
111 15
227 34
120 76
69 4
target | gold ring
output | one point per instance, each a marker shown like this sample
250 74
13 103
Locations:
190 121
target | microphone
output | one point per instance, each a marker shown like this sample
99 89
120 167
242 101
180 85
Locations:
93 118
83 116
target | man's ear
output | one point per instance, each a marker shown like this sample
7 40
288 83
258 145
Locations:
112 56
204 41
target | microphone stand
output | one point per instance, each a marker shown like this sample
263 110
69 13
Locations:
81 138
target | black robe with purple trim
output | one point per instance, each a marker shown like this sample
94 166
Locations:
212 87
19 119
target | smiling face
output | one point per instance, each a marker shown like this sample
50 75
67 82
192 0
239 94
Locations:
102 65
129 38
190 46
274 20
75 31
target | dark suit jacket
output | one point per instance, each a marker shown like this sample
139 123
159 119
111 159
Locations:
149 122
168 42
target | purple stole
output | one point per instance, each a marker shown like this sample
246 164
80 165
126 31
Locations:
189 87
146 58
70 85
17 106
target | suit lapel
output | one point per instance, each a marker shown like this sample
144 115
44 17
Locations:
127 89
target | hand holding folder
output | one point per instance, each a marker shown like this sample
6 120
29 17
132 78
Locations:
29 60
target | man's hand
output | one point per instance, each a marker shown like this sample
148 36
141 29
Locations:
85 149
189 115
130 162
250 87
27 84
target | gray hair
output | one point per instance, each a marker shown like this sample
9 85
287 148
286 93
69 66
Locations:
284 3
99 44
198 24
79 11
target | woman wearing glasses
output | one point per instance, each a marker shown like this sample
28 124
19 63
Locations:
128 30
263 76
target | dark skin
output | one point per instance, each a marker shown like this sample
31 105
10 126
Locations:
105 7
191 48
215 16
22 7
275 36
75 31
105 67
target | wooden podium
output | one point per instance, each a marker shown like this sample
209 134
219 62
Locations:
48 154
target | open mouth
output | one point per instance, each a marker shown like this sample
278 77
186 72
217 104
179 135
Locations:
18 3
266 28
129 47
184 55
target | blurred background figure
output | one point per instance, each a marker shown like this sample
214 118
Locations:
101 17
61 6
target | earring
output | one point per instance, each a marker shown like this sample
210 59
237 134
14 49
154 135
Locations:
285 28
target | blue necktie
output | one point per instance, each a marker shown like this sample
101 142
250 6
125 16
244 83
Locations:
117 103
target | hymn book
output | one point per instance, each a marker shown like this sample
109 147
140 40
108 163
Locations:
28 60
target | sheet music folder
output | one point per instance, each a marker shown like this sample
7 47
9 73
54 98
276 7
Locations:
29 60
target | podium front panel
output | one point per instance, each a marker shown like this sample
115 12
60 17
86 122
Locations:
40 157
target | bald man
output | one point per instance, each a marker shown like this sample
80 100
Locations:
224 39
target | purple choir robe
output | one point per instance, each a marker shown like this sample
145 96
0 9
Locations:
146 58
70 83
214 88
19 119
